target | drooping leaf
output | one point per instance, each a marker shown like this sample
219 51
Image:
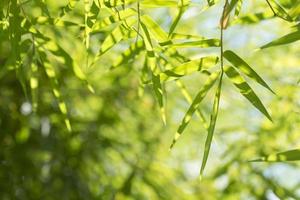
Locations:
50 71
238 8
194 106
289 38
158 90
246 90
129 53
279 10
189 99
240 64
291 155
34 82
211 128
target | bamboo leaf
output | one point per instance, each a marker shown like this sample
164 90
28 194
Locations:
211 128
34 82
278 10
183 5
289 38
253 18
246 90
201 64
50 71
66 9
158 3
157 87
199 43
133 50
194 106
189 99
114 18
158 33
240 64
291 155
238 8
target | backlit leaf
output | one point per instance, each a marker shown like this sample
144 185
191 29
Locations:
246 90
211 128
194 106
240 64
291 155
289 38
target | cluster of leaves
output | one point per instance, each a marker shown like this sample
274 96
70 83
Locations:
33 52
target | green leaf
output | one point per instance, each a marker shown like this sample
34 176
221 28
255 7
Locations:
211 2
183 5
278 10
246 90
158 3
158 33
240 64
289 38
291 155
189 99
66 9
115 3
211 128
199 43
129 54
194 106
116 17
181 36
50 71
34 82
253 18
238 8
201 64
157 87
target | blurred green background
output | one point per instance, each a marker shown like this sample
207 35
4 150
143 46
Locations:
119 147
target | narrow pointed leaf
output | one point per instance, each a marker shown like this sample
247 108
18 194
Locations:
159 3
289 38
158 90
50 71
278 10
291 155
114 18
129 54
34 82
199 43
240 64
253 18
158 33
194 106
211 128
189 99
189 67
246 90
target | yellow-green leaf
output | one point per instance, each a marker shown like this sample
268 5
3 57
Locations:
212 125
194 106
289 38
291 155
246 90
240 64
